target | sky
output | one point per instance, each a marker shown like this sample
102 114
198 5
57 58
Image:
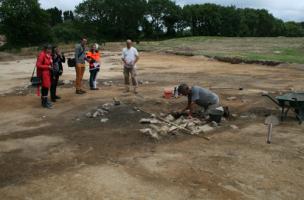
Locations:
284 9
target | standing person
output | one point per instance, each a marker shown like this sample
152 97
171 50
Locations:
130 57
58 59
80 58
93 57
202 97
44 67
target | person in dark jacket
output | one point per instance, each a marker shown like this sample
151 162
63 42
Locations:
44 67
56 72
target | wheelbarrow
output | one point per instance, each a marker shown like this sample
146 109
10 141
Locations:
290 101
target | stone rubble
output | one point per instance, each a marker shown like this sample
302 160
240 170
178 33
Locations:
214 124
158 128
234 127
104 120
203 129
102 111
149 121
150 132
232 98
170 118
67 82
107 83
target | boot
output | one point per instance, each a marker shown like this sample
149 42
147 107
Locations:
55 98
42 101
45 103
48 104
135 90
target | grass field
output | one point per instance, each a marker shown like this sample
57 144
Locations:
282 49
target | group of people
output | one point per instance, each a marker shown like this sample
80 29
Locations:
50 67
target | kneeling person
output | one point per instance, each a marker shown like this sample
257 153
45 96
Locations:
199 96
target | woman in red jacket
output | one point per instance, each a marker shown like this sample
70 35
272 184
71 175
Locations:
44 66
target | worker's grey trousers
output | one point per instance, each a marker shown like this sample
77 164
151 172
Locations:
130 71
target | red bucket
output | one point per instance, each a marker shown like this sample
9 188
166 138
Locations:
168 93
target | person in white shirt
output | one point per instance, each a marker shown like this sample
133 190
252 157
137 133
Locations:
130 57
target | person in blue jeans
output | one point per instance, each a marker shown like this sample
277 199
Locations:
93 57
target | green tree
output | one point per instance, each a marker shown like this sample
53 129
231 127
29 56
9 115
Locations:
165 17
55 16
293 29
68 15
112 19
24 22
230 21
66 32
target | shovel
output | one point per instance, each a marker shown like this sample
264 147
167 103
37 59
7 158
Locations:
271 121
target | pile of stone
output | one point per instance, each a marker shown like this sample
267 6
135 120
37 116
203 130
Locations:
102 112
162 127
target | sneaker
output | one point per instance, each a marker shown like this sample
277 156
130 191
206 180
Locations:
57 97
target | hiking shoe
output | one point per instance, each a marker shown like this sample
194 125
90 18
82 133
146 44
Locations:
79 92
83 92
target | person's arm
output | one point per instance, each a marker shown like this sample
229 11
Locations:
40 64
190 106
123 57
136 57
62 58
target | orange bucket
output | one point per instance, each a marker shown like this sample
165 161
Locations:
168 93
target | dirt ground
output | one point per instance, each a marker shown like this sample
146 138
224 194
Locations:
62 154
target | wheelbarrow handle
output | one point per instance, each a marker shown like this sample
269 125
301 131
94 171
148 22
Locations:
272 99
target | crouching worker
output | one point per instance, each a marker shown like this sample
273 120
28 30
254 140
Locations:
93 57
44 67
202 97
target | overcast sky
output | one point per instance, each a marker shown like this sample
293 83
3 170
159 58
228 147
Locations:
283 9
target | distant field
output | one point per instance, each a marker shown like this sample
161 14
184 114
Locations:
282 49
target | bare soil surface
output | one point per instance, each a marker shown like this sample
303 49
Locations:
62 154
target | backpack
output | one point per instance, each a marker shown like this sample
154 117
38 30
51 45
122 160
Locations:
72 61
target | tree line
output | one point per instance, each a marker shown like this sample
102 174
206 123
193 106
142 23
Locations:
25 23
